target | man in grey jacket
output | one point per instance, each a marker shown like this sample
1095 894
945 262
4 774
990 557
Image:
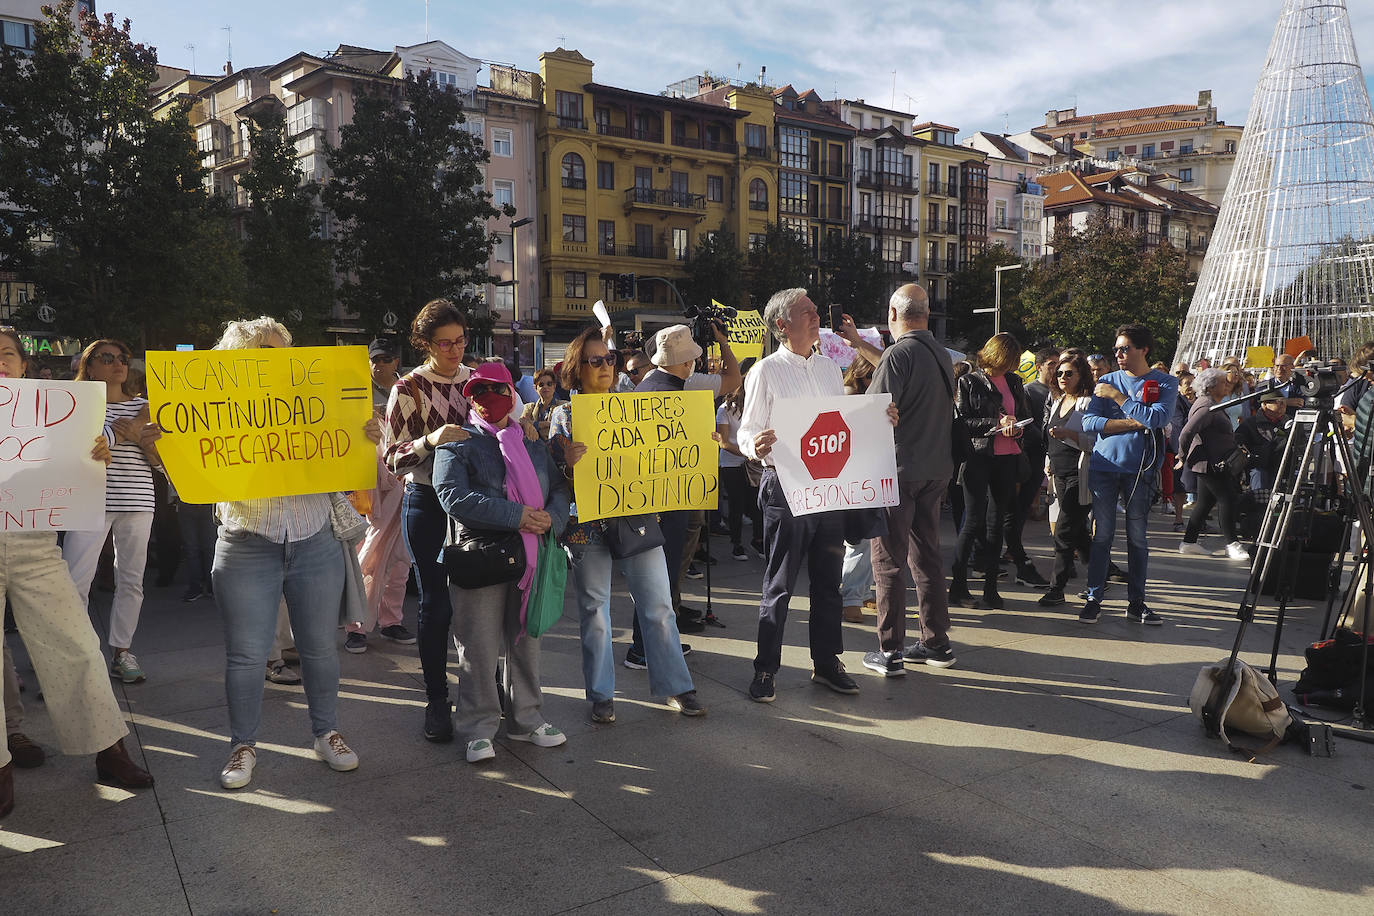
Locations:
916 371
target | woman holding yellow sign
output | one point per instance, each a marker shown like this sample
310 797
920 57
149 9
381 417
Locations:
589 368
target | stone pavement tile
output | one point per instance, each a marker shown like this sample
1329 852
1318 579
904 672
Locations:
132 871
668 895
954 852
701 790
454 839
1262 836
62 801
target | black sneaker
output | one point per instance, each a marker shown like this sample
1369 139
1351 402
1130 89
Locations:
1139 613
934 656
761 688
1029 575
687 704
690 613
694 573
635 660
991 601
888 665
1091 611
1106 587
398 634
687 625
355 643
686 649
757 544
835 678
192 593
1117 574
738 552
1052 598
603 712
438 723
959 596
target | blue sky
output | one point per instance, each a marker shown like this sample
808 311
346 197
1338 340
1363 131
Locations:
974 64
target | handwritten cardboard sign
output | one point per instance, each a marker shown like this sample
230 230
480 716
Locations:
837 348
835 453
646 452
746 332
248 424
48 479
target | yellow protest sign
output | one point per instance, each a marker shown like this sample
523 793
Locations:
746 332
1259 357
646 452
248 424
1026 368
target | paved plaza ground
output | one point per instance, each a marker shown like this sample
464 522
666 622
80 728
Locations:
1055 769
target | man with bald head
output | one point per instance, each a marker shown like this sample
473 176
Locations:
916 371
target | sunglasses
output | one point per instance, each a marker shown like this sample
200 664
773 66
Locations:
1065 373
596 362
481 388
636 370
1119 350
109 359
545 384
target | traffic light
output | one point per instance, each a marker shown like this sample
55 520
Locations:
625 286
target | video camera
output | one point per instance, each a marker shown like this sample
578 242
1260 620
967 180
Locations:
1318 379
703 318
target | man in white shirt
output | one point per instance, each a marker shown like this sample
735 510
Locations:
794 371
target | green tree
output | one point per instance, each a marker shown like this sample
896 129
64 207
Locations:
107 212
973 286
716 271
854 279
1103 277
781 261
289 268
407 190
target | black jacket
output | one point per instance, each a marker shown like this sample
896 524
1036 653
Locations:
980 404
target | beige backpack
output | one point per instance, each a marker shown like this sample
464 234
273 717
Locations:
1251 704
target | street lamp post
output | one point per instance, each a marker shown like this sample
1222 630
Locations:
515 291
997 297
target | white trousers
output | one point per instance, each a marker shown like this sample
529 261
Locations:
62 644
81 550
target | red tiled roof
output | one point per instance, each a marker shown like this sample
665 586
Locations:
1150 127
1128 113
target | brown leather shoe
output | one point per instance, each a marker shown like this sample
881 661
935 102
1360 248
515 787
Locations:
114 765
6 789
853 614
25 752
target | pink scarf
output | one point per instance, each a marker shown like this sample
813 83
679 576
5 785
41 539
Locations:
522 487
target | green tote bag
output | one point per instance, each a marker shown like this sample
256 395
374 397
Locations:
546 594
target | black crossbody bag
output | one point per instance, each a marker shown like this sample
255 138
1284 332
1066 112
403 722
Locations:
959 445
631 535
478 557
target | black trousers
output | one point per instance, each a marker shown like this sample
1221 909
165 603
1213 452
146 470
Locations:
816 540
1073 530
989 500
1026 491
1218 489
742 499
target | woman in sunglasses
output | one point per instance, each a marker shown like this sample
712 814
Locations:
538 413
499 480
61 642
129 501
589 368
1067 465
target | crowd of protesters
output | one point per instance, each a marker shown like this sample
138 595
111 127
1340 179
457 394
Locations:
460 448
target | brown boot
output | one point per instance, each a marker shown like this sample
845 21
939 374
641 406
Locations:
853 613
6 789
25 754
114 765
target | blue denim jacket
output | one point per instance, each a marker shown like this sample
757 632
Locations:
470 481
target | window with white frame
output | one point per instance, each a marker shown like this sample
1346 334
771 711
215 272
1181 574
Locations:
501 141
17 36
502 193
205 137
503 251
308 114
244 87
503 298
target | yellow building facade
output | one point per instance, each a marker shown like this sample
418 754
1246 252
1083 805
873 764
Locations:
628 183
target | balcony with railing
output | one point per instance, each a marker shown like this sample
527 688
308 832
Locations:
653 252
901 225
642 134
935 186
939 265
836 214
665 199
577 184
758 152
951 227
709 145
868 178
568 122
758 205
951 189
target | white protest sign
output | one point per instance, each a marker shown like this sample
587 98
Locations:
48 479
835 453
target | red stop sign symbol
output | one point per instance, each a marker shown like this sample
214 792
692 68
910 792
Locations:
825 446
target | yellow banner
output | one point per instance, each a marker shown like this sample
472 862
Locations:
646 452
1259 357
248 424
1026 368
746 332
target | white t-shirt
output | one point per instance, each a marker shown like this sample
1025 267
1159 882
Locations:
702 381
726 417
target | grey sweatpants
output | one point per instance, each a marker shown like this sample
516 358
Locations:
486 622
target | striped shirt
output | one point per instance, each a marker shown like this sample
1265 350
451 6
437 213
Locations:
129 478
421 401
279 519
778 377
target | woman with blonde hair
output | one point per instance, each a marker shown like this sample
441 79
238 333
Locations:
129 501
992 402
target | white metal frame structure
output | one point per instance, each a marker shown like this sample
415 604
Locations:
1293 249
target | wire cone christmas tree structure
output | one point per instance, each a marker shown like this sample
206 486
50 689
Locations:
1293 249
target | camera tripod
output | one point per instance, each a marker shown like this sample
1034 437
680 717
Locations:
1306 483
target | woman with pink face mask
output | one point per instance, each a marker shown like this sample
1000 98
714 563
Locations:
61 642
498 479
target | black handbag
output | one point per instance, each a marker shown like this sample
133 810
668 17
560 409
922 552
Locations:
478 557
631 535
960 444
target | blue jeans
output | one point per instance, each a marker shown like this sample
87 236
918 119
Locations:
646 575
1107 487
856 579
251 575
424 528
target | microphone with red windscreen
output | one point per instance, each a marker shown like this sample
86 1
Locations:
1149 392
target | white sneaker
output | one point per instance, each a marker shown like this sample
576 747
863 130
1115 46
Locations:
543 736
480 750
1195 549
332 750
1236 551
238 772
